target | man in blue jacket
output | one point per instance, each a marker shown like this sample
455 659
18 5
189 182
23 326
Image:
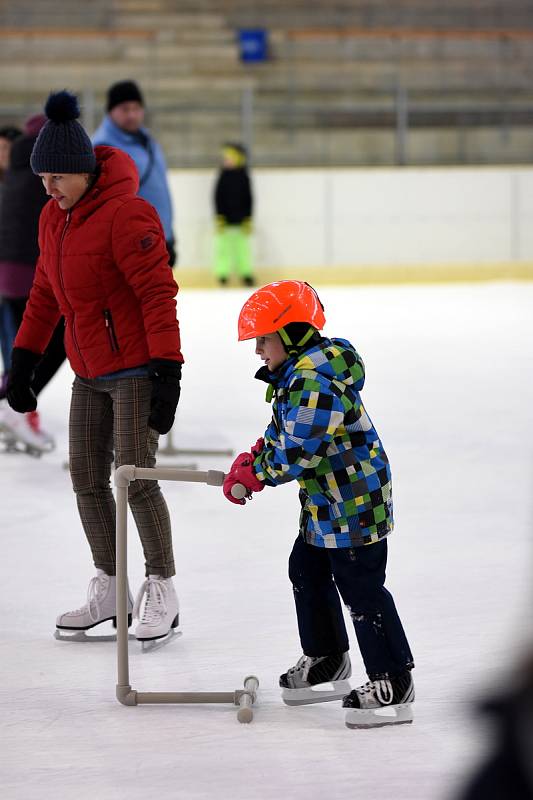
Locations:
122 127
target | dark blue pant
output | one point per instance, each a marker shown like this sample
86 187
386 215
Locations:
8 330
318 575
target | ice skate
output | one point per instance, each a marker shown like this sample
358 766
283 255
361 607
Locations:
22 433
381 702
46 440
100 607
159 616
316 679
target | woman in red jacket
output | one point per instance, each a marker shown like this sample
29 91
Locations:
103 265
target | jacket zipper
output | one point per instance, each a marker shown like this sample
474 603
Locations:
60 272
113 341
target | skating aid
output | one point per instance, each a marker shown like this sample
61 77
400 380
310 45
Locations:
242 698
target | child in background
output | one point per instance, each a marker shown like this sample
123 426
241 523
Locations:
233 209
321 436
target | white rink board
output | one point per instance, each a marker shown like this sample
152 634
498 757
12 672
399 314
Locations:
358 217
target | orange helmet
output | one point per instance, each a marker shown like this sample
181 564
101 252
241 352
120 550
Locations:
275 305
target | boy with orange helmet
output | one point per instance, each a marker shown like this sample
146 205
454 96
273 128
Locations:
322 436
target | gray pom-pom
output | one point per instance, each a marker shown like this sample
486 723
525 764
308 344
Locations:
62 107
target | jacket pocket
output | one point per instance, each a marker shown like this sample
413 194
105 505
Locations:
112 336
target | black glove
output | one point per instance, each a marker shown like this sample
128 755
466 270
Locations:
165 376
171 250
19 393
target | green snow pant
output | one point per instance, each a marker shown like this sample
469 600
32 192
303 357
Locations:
233 251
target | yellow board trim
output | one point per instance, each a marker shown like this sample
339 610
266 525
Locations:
202 278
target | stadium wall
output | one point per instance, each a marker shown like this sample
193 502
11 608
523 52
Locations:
370 225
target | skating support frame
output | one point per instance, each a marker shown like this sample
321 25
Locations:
242 698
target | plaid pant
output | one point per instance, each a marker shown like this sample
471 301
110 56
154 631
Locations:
109 421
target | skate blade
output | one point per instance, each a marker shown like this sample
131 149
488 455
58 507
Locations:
321 693
16 446
379 717
81 636
150 645
48 447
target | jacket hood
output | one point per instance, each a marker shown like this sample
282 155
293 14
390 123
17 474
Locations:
117 176
117 173
336 359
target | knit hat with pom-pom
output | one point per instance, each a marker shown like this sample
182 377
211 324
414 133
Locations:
63 146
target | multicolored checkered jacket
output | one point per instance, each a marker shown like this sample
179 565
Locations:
321 436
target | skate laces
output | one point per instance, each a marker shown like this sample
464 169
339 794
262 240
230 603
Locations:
305 662
380 689
156 601
96 587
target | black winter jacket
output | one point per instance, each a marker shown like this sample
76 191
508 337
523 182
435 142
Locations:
233 195
23 197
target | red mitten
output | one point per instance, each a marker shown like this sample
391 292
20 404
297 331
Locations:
242 458
242 472
258 446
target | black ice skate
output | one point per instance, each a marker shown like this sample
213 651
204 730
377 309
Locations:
316 679
381 702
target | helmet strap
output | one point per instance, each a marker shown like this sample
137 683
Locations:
293 347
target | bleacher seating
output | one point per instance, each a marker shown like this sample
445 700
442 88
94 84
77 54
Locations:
341 79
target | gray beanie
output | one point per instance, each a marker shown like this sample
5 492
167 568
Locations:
63 146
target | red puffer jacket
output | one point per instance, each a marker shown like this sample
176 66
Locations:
103 265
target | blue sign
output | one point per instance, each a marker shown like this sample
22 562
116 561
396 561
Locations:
253 44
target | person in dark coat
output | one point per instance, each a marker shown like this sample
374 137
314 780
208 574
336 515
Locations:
233 208
23 200
103 266
8 134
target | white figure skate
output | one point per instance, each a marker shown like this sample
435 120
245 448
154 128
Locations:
159 617
100 607
22 433
381 702
316 679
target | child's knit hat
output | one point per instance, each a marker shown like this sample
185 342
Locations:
63 146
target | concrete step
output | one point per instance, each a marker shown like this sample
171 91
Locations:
391 48
176 20
54 14
381 76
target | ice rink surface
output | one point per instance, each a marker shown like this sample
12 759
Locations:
449 388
